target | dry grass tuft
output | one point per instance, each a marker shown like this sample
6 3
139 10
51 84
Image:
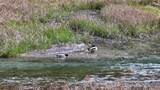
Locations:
127 14
14 10
24 9
23 22
146 2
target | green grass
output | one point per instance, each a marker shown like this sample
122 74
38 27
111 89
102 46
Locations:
67 9
52 15
135 31
145 23
113 31
59 35
93 28
141 2
91 5
84 5
150 9
35 36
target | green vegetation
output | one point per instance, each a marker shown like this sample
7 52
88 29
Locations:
149 9
134 24
139 31
113 31
72 5
96 29
33 30
35 36
52 14
142 2
59 35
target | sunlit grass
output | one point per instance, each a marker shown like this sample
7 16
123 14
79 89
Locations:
59 35
114 31
133 24
97 29
150 9
34 36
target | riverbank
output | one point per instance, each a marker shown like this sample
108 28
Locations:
106 49
54 22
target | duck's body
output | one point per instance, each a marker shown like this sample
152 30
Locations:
62 56
92 49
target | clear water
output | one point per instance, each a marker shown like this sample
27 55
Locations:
20 70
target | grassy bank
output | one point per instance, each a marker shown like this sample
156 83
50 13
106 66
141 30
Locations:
35 37
39 24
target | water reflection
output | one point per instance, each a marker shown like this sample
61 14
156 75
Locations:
48 70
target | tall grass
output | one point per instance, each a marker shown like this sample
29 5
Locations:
60 35
25 22
127 14
131 21
149 9
33 35
15 10
97 29
82 4
114 30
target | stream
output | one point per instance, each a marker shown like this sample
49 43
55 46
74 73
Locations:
34 72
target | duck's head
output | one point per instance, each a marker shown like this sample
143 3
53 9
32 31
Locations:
93 45
66 54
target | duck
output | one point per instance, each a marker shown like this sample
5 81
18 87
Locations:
62 56
92 49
